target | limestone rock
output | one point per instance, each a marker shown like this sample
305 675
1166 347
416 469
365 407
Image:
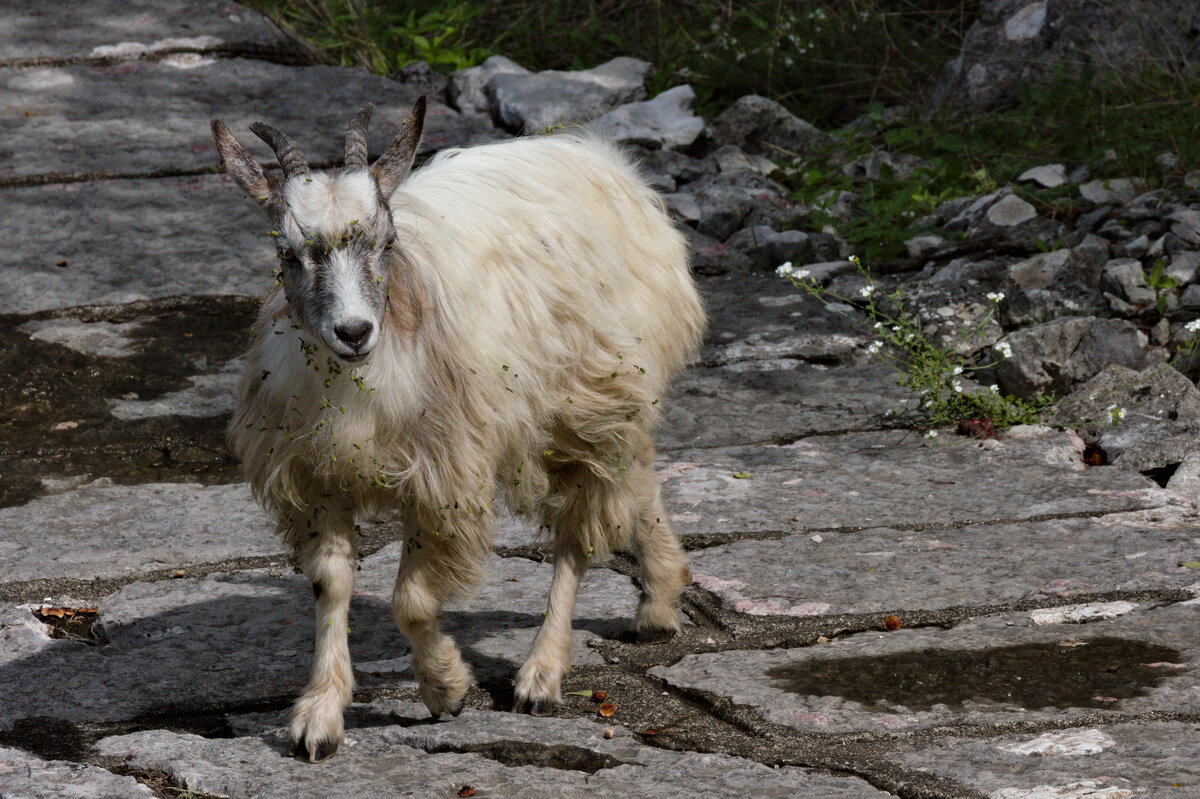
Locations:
1058 355
535 101
765 127
730 200
667 121
1143 420
466 89
1047 176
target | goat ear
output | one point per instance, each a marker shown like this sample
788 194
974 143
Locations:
241 166
393 166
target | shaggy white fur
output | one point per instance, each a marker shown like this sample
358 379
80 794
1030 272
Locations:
537 302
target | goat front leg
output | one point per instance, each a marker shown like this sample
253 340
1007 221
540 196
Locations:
538 686
324 545
441 560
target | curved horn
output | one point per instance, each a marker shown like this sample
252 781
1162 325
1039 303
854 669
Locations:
356 138
289 155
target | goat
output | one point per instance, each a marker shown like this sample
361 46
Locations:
506 316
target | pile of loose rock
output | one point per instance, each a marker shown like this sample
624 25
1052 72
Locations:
1094 309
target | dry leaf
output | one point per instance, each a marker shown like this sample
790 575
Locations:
607 709
61 262
466 790
891 622
650 731
599 696
179 573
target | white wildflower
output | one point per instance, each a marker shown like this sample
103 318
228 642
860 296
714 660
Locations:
802 273
895 328
1192 326
1005 349
867 290
784 269
958 370
1115 414
995 389
957 386
931 434
995 296
854 260
875 347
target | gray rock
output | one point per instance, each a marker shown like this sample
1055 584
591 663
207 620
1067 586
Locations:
1137 247
1186 479
1183 267
1143 420
106 530
1010 211
731 158
1048 284
877 164
895 682
681 167
752 241
668 121
211 394
1056 356
884 570
787 245
683 206
419 76
1186 225
824 272
1150 758
1125 277
731 200
1191 297
922 482
1047 175
536 101
406 756
708 256
923 245
30 777
1017 42
146 117
1119 190
466 89
130 29
765 127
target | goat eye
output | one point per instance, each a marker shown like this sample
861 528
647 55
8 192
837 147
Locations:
387 245
290 259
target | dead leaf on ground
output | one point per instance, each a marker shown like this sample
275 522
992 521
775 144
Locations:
891 622
599 696
607 709
466 790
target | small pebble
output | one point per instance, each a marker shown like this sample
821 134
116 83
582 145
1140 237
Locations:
608 735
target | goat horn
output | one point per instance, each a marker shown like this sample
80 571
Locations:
289 155
356 138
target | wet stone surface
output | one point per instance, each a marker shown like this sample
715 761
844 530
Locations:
995 670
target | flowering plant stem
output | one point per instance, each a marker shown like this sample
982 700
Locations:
934 374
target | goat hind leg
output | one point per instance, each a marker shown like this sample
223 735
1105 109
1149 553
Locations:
326 552
664 569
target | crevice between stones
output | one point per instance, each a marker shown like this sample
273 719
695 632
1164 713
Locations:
291 55
525 753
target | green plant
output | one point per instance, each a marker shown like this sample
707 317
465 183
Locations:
934 374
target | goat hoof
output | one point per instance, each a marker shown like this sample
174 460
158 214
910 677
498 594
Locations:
313 751
535 708
655 635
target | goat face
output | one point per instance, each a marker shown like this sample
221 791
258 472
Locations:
333 231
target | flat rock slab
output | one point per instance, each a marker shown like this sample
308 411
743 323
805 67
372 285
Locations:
148 117
118 241
1118 761
112 28
105 530
248 636
26 776
395 753
781 399
886 570
890 478
987 671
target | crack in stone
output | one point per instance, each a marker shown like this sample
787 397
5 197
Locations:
516 754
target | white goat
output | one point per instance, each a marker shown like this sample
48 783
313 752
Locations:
507 316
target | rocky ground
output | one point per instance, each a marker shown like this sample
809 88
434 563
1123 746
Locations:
875 612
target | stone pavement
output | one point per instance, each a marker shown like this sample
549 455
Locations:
1049 643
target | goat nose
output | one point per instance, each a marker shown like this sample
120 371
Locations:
354 333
